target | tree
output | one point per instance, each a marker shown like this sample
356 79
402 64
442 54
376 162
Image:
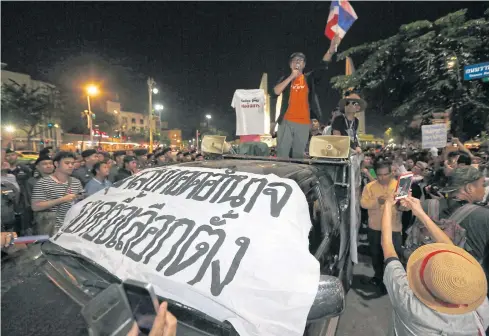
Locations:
27 108
420 70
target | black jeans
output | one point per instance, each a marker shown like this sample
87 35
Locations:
376 253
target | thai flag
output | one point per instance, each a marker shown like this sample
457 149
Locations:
340 19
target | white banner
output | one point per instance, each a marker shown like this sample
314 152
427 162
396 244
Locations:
232 245
434 136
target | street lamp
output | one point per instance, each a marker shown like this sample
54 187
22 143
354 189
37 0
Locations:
92 90
9 129
151 91
208 117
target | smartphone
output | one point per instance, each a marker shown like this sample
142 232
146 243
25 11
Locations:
30 239
404 185
143 302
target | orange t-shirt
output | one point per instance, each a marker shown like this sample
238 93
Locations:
298 110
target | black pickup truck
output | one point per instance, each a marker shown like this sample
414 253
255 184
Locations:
45 286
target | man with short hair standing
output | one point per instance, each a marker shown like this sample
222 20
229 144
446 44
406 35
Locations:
373 199
130 168
101 172
54 195
299 103
84 173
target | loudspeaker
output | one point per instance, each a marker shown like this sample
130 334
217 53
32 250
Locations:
215 144
330 146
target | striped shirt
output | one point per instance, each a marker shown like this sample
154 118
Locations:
47 189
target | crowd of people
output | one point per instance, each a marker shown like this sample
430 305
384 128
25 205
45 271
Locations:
37 196
430 250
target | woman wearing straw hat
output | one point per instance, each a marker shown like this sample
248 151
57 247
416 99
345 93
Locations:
443 289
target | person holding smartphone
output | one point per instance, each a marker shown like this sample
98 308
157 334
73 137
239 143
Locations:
55 194
442 290
165 324
374 197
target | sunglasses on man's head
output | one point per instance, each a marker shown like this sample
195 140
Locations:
354 103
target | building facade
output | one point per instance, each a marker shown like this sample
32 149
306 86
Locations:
128 123
174 136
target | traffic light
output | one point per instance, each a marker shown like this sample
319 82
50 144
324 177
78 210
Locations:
93 115
50 125
41 142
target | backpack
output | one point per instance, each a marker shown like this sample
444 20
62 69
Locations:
418 235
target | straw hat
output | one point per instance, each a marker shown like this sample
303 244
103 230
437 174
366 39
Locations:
350 96
446 278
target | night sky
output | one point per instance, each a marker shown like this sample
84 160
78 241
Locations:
198 53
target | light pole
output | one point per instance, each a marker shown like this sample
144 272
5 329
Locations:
92 90
208 117
151 90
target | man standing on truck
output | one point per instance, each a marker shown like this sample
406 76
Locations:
299 103
347 124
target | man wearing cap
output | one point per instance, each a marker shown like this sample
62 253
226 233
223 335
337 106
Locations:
20 171
443 289
346 124
299 103
187 157
130 167
114 169
47 151
168 154
163 158
44 167
466 186
179 157
141 157
84 173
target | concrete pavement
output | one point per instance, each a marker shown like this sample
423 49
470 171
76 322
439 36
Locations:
367 312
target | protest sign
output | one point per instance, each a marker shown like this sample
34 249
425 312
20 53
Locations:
434 136
233 245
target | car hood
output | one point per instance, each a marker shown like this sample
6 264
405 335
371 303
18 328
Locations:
34 305
44 289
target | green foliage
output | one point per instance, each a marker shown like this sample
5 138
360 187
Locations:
420 69
27 108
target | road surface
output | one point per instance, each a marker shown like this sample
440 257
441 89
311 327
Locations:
367 312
